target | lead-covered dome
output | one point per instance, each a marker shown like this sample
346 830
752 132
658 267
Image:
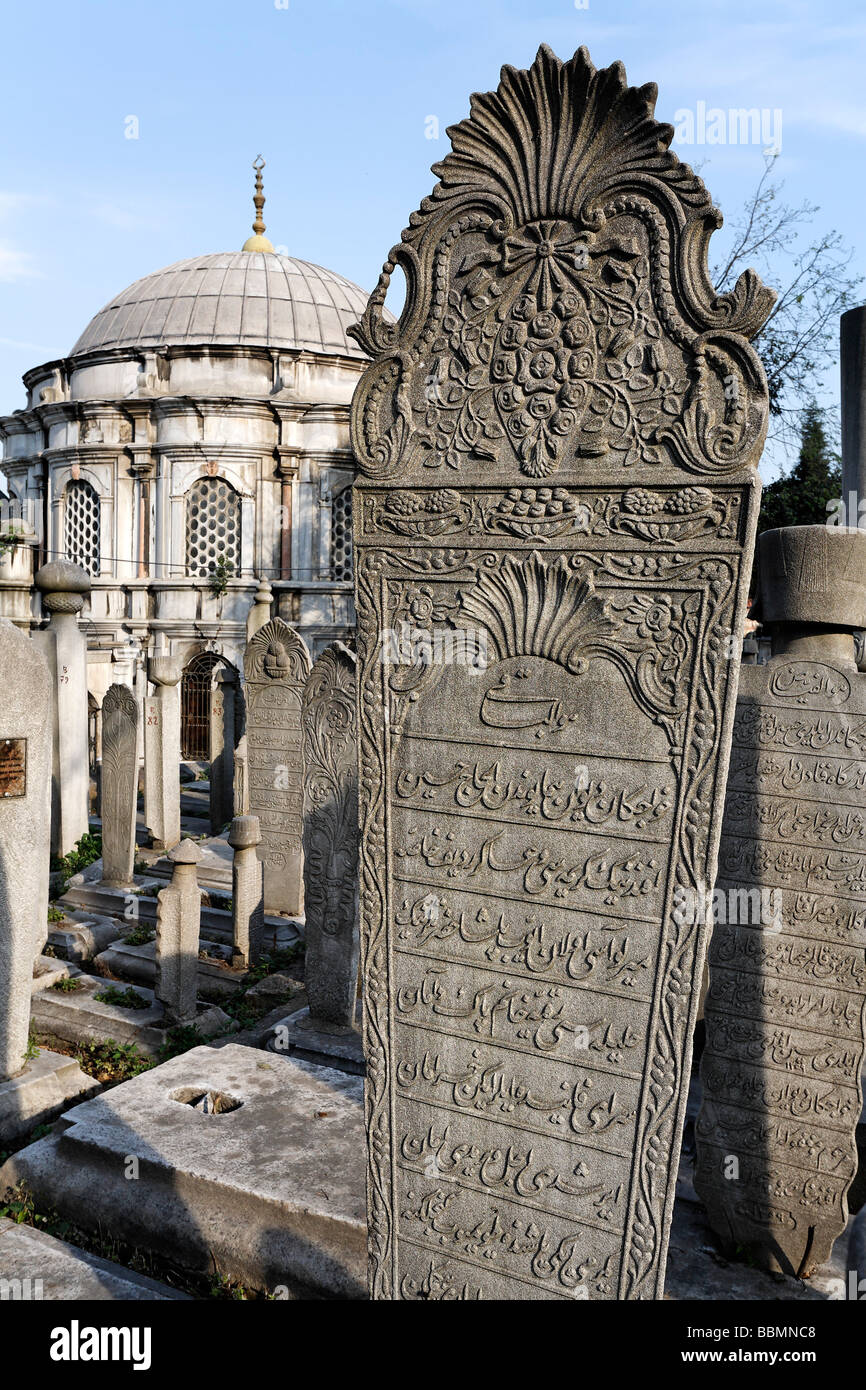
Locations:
237 298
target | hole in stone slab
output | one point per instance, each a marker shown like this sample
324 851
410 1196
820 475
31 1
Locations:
207 1102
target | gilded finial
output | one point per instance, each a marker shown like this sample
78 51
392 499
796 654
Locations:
258 242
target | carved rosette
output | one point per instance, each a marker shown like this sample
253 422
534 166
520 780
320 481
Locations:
556 446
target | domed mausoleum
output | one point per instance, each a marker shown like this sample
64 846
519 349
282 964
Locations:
194 442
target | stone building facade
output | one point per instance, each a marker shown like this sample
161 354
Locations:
194 442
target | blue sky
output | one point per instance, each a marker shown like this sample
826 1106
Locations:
336 95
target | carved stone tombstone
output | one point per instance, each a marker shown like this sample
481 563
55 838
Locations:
785 1009
554 519
178 921
276 666
119 784
162 753
331 837
223 702
25 805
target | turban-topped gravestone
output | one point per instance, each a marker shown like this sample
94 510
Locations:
554 519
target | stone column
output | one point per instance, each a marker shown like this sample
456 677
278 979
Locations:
785 1009
162 753
178 918
25 802
260 609
248 912
119 784
853 372
64 587
224 694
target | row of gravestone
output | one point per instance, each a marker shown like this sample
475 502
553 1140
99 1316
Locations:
297 803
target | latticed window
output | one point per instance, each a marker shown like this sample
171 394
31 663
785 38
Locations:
341 535
213 526
81 525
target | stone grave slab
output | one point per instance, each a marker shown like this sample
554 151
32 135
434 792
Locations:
554 518
51 1269
271 1190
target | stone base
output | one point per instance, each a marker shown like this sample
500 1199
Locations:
79 1017
80 941
271 1191
49 1269
39 1093
311 1040
138 965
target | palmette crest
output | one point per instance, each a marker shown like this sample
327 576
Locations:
559 314
539 608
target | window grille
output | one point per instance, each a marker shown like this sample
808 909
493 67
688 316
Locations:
341 535
213 526
81 525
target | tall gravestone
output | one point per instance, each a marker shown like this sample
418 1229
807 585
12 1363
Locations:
785 1009
223 704
162 753
554 518
119 784
25 804
276 666
64 589
178 922
331 838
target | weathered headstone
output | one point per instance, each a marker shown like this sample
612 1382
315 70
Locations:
248 914
178 920
25 805
119 784
276 666
331 837
241 779
554 518
223 701
785 1009
64 588
162 753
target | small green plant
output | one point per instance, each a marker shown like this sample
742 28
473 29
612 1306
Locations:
140 936
274 962
67 985
221 571
128 998
55 914
111 1060
178 1040
32 1049
86 852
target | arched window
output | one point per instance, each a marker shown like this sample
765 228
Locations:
195 688
213 526
81 525
341 534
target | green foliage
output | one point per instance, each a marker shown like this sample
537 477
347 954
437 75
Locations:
274 962
140 936
124 998
55 914
68 985
32 1048
221 571
179 1040
111 1061
86 852
800 497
